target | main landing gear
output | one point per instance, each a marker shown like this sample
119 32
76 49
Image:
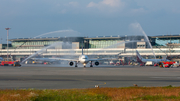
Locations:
76 64
91 64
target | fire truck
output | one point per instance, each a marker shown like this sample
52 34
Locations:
10 63
166 64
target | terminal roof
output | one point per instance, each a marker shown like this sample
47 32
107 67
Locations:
46 38
167 37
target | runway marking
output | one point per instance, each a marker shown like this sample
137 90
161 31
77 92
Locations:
165 77
102 84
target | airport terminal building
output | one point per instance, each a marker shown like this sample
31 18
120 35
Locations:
101 46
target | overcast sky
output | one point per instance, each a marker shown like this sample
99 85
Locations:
30 18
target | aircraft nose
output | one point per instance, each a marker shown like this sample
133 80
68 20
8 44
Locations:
86 60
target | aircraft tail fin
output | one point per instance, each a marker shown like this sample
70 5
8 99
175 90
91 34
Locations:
82 47
139 58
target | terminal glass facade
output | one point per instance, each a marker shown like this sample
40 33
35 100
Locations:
104 43
33 44
164 42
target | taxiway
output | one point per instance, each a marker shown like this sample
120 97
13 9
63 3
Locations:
61 77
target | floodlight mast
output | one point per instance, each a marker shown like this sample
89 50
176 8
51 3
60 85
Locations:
7 41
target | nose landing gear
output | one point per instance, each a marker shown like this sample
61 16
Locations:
84 65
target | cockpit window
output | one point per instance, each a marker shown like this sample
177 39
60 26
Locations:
84 58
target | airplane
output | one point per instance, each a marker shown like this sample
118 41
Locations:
83 59
142 60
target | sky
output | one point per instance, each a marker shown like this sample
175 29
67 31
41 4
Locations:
89 18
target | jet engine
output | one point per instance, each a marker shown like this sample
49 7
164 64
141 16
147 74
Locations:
96 63
71 63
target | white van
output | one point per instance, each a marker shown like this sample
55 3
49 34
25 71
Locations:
149 63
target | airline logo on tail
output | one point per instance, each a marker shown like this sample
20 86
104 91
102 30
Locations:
139 58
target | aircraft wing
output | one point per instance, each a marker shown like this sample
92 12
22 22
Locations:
100 59
54 59
95 59
65 59
44 59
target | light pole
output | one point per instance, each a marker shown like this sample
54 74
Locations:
7 41
1 40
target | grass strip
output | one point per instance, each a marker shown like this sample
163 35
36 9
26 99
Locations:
93 94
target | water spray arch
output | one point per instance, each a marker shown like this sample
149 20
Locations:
138 27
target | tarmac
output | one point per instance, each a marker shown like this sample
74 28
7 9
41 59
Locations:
66 77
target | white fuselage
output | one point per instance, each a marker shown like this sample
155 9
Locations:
154 60
83 59
141 59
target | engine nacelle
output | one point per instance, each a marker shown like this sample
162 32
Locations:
96 63
71 63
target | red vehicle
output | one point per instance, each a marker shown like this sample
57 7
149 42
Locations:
166 64
169 62
118 63
142 64
7 63
156 64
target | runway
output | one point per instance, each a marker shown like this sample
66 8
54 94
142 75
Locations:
61 77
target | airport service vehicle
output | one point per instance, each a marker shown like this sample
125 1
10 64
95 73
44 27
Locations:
175 65
168 64
16 64
7 63
111 63
149 63
136 64
142 64
37 62
118 63
155 64
142 60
